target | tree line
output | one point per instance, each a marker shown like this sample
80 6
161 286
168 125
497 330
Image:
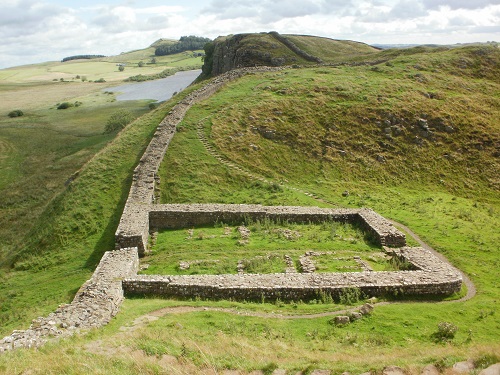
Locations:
185 43
78 57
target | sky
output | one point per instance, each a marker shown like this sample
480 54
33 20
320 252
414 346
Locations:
37 31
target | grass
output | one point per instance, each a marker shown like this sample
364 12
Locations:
59 202
219 249
329 126
207 340
329 129
332 51
44 148
94 69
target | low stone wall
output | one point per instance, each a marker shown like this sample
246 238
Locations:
434 278
138 218
97 301
132 229
381 228
189 215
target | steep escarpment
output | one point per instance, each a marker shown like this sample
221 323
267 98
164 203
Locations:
274 49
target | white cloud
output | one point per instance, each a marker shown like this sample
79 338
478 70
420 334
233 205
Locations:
35 31
460 4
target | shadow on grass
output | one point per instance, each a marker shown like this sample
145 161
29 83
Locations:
107 240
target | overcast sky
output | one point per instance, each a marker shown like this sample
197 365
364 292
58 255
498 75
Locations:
36 31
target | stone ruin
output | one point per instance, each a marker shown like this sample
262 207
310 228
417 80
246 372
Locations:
99 299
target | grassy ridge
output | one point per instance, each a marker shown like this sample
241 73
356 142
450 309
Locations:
330 50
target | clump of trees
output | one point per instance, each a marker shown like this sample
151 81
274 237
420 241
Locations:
118 121
78 57
16 113
66 105
208 59
185 43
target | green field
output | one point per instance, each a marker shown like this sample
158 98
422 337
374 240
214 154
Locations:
415 138
95 69
217 250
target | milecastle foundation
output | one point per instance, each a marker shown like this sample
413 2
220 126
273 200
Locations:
99 299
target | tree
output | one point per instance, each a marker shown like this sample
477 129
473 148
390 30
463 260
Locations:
208 59
118 121
141 64
185 43
16 113
121 68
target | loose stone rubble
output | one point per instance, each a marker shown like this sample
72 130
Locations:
97 301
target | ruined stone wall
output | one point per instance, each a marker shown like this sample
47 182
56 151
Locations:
189 215
133 229
380 228
139 218
97 301
432 278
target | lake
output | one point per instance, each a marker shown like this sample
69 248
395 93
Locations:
159 89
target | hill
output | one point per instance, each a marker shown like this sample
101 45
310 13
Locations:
274 49
413 135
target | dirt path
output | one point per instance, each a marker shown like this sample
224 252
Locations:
471 289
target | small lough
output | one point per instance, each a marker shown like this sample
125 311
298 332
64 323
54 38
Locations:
159 89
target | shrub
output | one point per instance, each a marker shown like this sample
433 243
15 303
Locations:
350 296
121 68
64 105
118 121
16 113
100 80
446 331
141 64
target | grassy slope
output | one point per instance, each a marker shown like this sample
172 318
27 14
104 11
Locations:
77 226
39 152
445 187
331 50
341 106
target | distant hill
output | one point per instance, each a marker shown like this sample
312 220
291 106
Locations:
274 49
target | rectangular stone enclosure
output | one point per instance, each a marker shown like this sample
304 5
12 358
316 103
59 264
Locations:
430 276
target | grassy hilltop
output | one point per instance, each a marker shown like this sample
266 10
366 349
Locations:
413 134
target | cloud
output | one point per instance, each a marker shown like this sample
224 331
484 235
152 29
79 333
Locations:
459 4
268 11
460 21
53 29
278 9
407 9
26 17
